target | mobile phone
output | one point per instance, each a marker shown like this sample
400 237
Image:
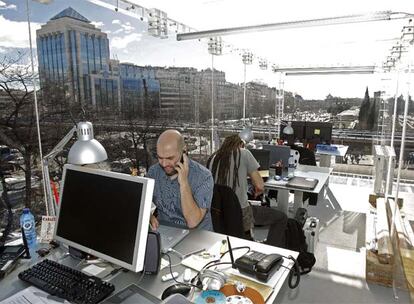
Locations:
181 161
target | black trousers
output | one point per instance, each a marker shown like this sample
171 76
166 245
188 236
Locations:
276 219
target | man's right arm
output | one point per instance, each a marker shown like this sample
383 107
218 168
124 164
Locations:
257 182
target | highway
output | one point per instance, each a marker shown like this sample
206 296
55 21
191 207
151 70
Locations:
338 135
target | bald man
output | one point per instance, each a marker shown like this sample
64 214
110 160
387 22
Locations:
183 188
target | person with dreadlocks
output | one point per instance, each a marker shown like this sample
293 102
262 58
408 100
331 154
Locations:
230 165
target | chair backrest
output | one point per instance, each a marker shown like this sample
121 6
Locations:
226 213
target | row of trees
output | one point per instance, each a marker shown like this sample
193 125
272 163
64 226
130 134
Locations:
56 117
368 112
370 108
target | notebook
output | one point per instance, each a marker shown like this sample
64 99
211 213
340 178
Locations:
171 236
300 182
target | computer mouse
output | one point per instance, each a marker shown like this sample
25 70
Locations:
176 288
277 177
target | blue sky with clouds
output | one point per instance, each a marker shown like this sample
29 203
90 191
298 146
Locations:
130 42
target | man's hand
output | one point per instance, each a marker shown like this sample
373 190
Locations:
182 170
154 222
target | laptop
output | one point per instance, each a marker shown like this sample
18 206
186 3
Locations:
171 236
306 183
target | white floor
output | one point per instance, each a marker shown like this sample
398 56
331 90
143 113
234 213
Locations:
339 273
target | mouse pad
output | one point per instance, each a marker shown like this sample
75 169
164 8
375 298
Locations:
132 294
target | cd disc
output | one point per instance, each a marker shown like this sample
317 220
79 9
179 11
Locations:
211 297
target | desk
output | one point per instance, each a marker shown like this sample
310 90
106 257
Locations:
320 173
326 156
152 283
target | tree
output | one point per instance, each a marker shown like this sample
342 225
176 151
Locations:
17 121
364 111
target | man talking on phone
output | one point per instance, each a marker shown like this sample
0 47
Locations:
183 188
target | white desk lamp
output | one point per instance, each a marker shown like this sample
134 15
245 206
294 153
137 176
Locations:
246 134
288 130
86 150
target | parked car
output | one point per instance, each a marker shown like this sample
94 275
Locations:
122 166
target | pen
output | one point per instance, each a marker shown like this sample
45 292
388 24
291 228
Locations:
193 252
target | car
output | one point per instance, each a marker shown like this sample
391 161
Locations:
122 166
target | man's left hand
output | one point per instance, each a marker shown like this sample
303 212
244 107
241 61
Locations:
182 170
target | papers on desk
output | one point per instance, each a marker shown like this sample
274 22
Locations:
32 295
198 261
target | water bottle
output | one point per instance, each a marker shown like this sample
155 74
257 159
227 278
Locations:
27 222
291 167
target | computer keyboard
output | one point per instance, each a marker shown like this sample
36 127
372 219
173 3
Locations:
67 283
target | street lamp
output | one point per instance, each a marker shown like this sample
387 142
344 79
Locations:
215 47
247 59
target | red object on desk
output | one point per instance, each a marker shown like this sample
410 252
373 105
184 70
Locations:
55 191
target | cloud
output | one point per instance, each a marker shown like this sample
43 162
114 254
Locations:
122 42
16 35
118 31
4 6
127 27
99 24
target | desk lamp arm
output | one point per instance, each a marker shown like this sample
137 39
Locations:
51 204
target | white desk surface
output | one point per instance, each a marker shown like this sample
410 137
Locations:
340 152
196 239
320 173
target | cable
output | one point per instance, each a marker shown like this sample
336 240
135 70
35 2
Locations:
221 263
236 248
141 277
178 282
294 272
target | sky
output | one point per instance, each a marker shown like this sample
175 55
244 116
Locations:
349 44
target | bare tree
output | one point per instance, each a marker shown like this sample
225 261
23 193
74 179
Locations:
17 119
17 116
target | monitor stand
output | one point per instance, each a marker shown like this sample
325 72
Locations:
79 254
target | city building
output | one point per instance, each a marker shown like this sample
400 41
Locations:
140 90
74 56
74 59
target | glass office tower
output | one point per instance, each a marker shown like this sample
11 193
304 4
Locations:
74 56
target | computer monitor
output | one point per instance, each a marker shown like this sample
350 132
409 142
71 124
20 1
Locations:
278 153
317 132
262 157
105 214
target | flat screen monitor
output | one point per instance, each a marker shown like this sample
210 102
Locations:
105 214
262 157
278 153
318 132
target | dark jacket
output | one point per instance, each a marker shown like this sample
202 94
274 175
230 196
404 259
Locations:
226 212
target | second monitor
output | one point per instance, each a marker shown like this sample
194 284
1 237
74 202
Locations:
278 153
